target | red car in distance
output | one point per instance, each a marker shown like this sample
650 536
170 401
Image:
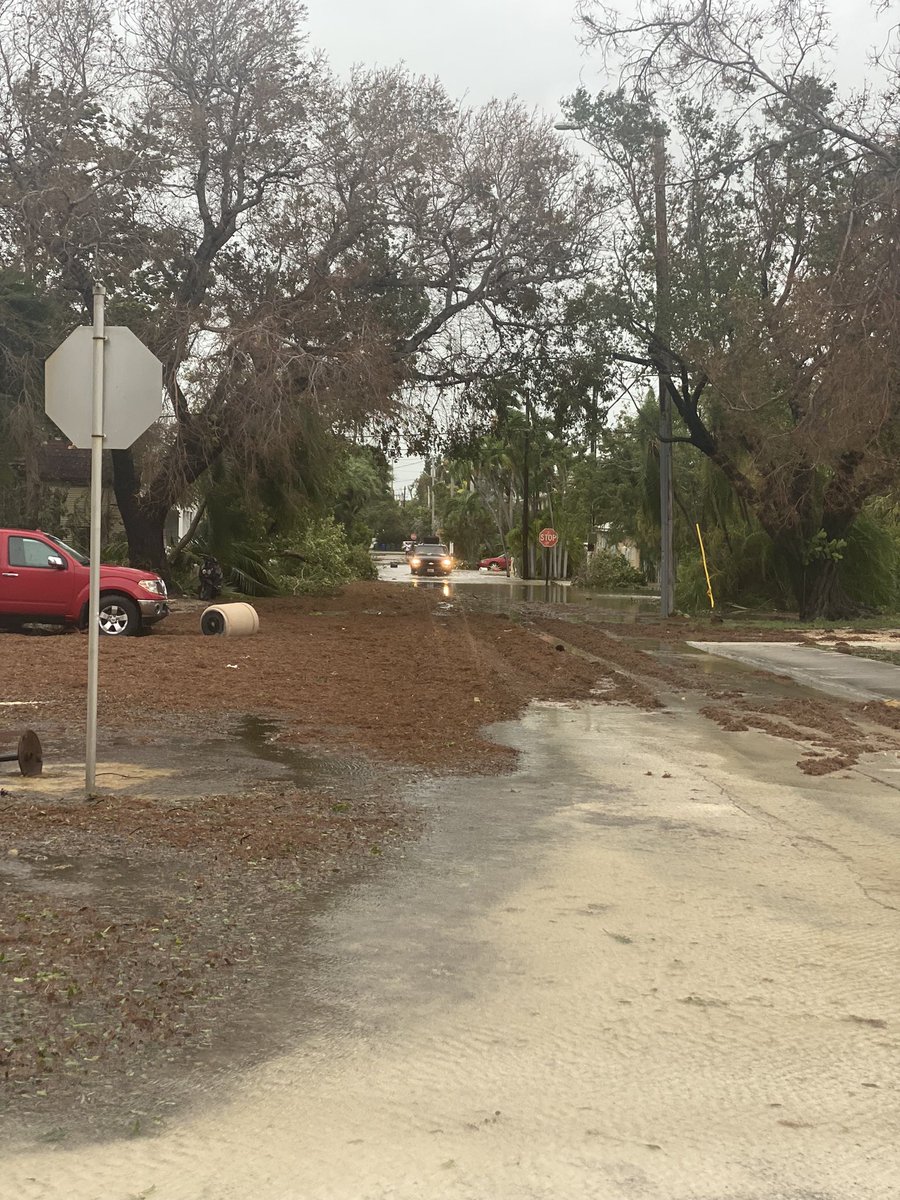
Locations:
500 563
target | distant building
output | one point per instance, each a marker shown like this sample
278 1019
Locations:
603 540
178 522
62 472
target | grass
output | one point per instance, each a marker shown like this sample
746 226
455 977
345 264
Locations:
786 621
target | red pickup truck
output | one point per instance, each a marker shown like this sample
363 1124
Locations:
44 580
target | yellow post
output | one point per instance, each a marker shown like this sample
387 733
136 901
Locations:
709 591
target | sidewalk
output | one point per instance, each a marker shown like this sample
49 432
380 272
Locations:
843 675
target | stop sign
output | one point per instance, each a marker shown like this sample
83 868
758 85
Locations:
132 387
548 538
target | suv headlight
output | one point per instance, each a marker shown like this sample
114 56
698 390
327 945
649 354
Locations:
153 585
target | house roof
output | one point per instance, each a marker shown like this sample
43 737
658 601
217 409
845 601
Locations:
63 465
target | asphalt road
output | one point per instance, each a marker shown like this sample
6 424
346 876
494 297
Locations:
502 586
656 963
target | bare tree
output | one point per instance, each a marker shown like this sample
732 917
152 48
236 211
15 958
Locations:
283 242
754 54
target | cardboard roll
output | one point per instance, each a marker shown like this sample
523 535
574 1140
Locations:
229 620
29 754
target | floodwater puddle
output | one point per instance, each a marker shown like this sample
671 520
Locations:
478 1012
501 595
253 748
102 879
498 593
262 738
746 679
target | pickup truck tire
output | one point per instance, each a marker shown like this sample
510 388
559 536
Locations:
119 616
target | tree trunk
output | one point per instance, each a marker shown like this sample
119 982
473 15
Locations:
527 569
821 595
146 541
144 522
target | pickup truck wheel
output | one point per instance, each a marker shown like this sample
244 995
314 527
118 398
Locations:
119 616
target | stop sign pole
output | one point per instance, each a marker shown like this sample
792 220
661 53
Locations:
102 387
98 347
548 539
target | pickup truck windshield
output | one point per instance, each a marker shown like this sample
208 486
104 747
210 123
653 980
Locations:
81 558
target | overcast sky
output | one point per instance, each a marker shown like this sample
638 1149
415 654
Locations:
479 48
486 48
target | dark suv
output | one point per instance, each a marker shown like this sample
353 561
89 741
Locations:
429 559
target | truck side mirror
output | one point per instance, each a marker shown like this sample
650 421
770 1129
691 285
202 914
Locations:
53 560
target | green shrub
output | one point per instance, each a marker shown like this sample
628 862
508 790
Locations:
320 559
749 572
248 569
869 564
746 572
316 557
608 571
361 564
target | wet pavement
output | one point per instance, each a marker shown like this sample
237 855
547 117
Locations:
496 590
656 962
843 675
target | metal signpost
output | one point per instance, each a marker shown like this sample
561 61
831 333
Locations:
548 539
102 387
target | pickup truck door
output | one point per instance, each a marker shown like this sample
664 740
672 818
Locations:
29 585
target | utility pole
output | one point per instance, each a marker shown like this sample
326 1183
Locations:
662 333
525 571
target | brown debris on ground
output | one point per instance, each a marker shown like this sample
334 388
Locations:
826 765
98 985
386 670
616 650
821 723
103 981
136 920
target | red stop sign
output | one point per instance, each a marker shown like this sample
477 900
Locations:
548 538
